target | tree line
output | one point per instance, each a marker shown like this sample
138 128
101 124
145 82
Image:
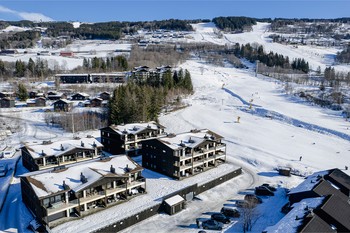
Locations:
37 68
142 101
234 24
99 64
257 53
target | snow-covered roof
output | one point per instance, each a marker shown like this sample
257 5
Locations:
135 128
174 200
309 183
30 101
63 100
47 183
189 139
36 149
82 94
294 218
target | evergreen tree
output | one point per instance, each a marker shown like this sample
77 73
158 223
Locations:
31 66
22 93
20 68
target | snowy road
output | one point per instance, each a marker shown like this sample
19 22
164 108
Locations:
14 213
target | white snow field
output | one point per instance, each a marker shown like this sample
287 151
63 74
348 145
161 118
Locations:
315 55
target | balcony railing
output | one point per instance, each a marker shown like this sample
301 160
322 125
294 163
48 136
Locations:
61 206
92 197
117 189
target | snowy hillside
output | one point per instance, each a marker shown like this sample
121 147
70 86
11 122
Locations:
316 56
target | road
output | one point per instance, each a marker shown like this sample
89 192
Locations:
14 213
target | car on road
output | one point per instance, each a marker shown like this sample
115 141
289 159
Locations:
230 212
212 225
220 218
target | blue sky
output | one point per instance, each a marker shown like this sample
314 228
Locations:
144 10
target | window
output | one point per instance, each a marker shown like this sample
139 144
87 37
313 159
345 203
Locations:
164 151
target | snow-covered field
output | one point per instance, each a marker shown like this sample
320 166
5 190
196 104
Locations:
275 131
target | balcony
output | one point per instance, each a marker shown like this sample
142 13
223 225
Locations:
184 157
117 189
221 146
61 206
92 197
136 183
198 162
219 154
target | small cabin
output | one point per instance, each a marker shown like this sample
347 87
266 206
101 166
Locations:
62 106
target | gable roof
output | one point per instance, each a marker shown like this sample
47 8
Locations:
47 183
64 101
190 139
58 148
338 210
309 183
294 219
135 128
314 224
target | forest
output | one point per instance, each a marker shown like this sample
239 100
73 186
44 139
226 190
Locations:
234 24
143 100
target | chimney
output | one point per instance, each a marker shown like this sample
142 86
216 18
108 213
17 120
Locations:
62 148
82 143
112 169
82 178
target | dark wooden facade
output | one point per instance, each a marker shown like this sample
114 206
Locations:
96 102
116 142
80 96
105 95
7 103
62 106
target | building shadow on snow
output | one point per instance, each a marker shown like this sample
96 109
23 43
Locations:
268 174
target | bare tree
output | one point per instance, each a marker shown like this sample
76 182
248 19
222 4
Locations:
249 215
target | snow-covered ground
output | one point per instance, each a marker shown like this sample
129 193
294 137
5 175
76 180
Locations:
275 131
315 55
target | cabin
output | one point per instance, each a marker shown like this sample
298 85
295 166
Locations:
62 106
56 95
80 96
105 95
40 102
7 102
7 94
96 102
318 204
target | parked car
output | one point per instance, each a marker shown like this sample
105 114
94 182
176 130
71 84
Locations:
263 191
253 199
220 218
212 225
230 212
273 189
